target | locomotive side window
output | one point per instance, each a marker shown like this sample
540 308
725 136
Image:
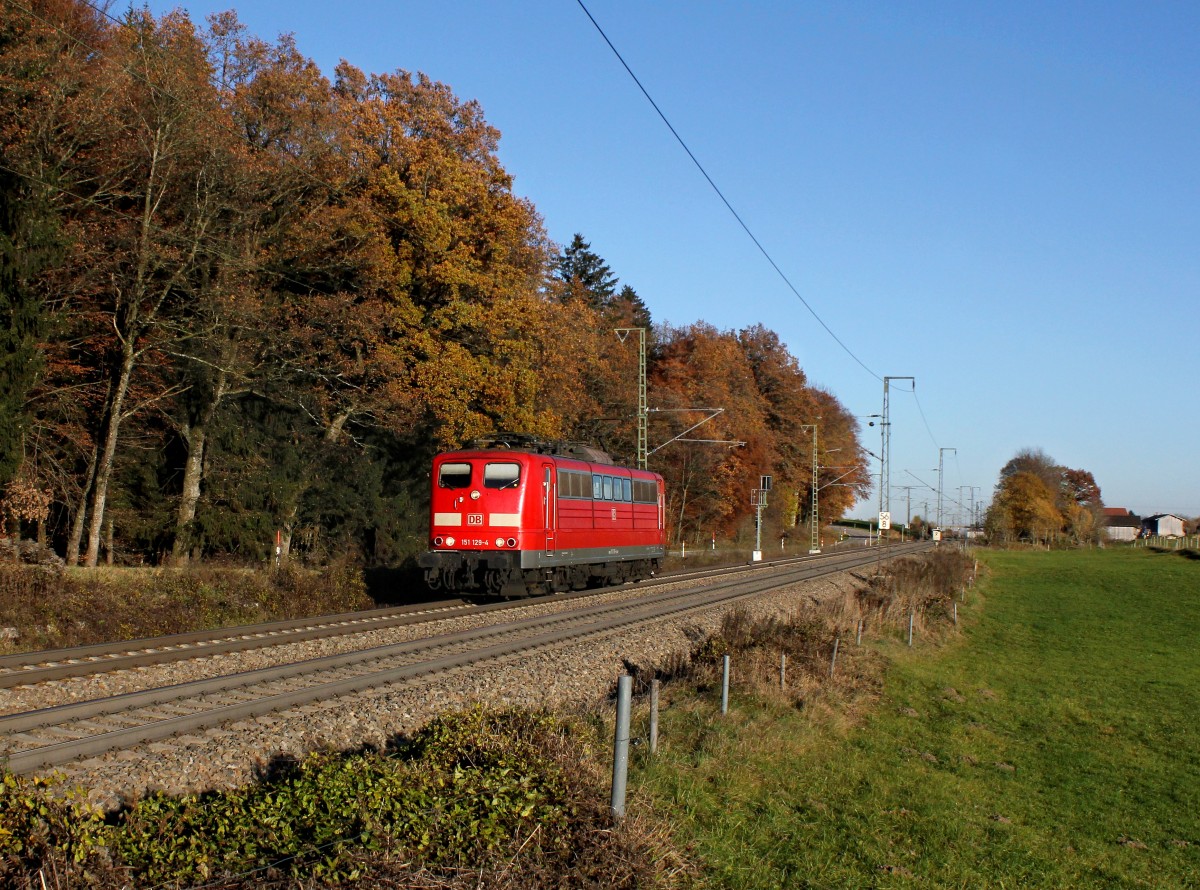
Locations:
598 488
627 490
608 492
505 475
572 484
454 476
644 492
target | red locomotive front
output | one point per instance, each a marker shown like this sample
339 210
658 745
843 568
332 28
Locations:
539 517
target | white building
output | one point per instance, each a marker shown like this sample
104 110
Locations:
1165 525
1120 524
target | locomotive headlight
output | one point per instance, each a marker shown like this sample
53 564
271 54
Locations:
438 541
499 542
475 495
449 542
512 542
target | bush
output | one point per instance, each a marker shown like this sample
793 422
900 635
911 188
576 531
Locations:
469 792
39 822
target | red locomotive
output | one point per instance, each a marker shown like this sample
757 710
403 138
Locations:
518 516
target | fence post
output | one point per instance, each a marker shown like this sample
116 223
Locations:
911 616
653 716
858 639
725 685
956 614
833 661
782 670
621 746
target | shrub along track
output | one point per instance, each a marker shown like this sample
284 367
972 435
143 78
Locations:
57 735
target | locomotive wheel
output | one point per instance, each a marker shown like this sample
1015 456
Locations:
493 581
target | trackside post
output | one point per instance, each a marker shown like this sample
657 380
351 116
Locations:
620 773
654 716
725 684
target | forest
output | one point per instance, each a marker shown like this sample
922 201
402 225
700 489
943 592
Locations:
243 304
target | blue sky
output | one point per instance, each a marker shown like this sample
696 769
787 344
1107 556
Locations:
999 199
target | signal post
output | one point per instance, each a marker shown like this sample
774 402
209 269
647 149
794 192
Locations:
758 500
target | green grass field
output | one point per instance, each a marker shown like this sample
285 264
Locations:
1054 743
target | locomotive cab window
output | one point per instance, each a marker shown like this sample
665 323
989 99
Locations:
454 475
501 475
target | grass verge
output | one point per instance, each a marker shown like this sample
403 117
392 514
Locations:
1054 744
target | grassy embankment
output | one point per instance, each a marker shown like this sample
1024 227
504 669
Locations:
47 608
1055 743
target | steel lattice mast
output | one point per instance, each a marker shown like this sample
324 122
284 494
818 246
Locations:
642 411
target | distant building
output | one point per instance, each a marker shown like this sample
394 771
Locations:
1165 525
1120 524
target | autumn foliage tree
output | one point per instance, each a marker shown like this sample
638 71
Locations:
1043 502
763 428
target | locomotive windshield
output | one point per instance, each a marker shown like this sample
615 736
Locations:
454 476
504 475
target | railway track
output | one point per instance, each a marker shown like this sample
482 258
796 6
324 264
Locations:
25 668
28 668
52 736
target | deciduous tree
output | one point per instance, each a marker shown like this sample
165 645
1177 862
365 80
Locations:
1024 508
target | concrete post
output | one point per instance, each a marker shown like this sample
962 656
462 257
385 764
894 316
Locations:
725 685
620 773
653 716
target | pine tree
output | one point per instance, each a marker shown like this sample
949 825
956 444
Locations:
632 309
585 275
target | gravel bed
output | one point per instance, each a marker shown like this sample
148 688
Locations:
565 675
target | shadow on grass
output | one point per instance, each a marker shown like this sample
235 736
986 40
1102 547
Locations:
1186 554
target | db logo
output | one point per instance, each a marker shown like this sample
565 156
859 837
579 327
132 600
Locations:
474 519
614 509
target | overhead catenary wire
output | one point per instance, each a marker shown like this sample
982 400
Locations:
741 222
924 420
946 498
